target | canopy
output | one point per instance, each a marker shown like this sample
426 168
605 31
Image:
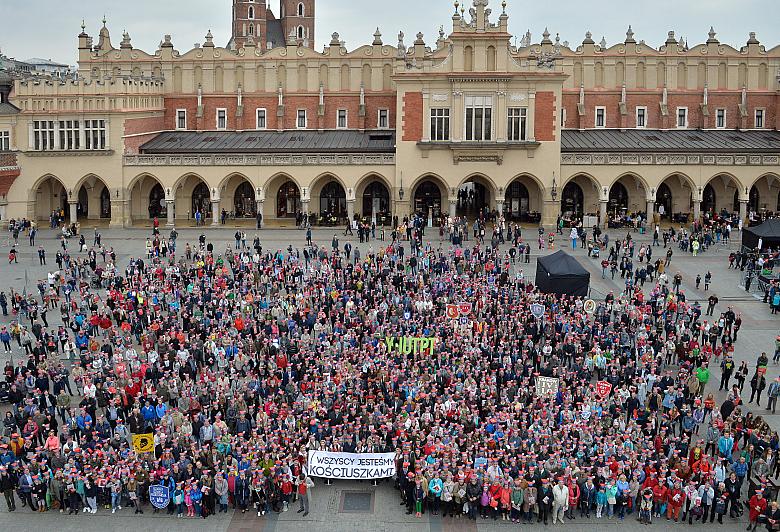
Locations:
768 232
560 274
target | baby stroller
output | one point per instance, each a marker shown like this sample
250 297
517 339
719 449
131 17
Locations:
96 281
596 252
5 391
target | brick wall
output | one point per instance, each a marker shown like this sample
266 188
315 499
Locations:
545 116
729 100
7 178
412 116
292 103
136 126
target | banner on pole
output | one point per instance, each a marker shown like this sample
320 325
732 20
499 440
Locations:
143 443
351 466
603 388
159 496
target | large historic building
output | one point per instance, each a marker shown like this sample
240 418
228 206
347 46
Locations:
469 121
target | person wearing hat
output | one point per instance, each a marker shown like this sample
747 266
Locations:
757 507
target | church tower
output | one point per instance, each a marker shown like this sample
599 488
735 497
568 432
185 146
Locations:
249 22
297 18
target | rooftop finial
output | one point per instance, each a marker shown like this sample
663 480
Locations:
630 35
712 34
104 20
83 26
603 43
503 7
377 37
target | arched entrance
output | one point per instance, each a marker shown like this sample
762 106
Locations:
618 200
721 195
674 198
427 200
523 200
376 202
754 200
244 204
288 200
709 199
572 201
82 207
50 195
473 200
333 202
517 202
94 199
105 203
663 201
201 200
158 207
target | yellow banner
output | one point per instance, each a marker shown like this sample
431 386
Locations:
143 443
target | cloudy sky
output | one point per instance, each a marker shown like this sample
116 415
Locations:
48 28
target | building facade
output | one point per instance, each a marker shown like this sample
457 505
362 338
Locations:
466 123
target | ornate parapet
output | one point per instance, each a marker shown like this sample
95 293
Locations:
601 159
261 160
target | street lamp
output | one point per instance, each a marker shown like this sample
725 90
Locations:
401 190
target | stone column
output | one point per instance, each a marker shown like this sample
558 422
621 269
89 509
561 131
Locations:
119 213
261 210
603 213
73 211
743 203
550 211
214 212
350 211
650 210
453 207
500 207
169 204
696 210
305 206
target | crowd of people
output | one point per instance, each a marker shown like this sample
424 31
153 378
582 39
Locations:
241 360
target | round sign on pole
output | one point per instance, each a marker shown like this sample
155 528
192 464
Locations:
589 306
537 310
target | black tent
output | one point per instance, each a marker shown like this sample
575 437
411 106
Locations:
768 232
560 274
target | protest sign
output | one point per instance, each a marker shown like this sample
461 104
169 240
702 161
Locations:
546 386
407 345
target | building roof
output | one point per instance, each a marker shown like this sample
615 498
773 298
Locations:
274 33
378 141
678 140
9 109
37 61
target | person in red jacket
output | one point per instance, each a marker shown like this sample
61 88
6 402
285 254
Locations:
574 498
674 501
659 498
757 508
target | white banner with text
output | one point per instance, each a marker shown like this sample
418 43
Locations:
350 466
